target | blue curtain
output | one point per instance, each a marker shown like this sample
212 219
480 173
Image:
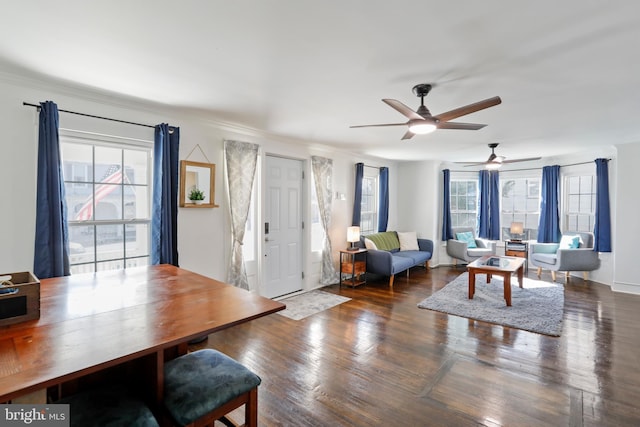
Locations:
602 229
494 205
484 215
489 205
51 255
447 232
164 215
383 209
357 194
549 227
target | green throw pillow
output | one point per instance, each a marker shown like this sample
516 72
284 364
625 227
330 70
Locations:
385 241
467 237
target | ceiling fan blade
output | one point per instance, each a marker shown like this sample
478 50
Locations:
403 109
521 160
497 160
502 161
479 163
463 126
380 125
407 135
468 109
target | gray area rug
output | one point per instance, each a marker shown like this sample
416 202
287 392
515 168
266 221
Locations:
312 302
538 307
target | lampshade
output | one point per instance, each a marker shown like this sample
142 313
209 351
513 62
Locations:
421 127
516 228
353 234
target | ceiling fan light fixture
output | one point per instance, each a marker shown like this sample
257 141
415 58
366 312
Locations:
493 165
421 127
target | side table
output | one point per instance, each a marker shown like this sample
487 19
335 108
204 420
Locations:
353 264
518 248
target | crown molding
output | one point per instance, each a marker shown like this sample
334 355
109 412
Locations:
118 100
18 76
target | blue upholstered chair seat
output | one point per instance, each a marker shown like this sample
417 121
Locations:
199 382
108 407
542 259
480 252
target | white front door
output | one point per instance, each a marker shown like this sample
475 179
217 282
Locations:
282 227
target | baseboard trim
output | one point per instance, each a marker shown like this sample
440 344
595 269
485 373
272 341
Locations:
627 288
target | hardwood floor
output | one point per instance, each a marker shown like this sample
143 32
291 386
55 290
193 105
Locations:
380 360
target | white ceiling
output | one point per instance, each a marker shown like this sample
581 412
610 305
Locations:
568 72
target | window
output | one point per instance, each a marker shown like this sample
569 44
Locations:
464 202
580 202
317 232
107 186
249 241
520 203
369 205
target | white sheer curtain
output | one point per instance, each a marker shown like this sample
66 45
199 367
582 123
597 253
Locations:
241 159
322 173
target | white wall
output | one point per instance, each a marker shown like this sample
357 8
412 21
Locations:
625 218
203 234
419 196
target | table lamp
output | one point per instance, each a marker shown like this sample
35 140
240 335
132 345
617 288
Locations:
353 236
517 228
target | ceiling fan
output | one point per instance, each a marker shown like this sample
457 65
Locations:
494 161
421 121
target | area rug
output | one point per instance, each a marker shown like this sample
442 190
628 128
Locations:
538 307
312 302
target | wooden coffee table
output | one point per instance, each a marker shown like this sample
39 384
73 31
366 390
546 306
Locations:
500 266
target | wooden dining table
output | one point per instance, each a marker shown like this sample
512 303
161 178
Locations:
93 322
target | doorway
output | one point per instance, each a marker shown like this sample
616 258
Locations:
283 246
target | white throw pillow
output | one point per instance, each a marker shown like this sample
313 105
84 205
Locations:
369 244
569 242
408 241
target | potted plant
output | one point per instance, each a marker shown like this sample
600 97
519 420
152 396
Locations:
196 196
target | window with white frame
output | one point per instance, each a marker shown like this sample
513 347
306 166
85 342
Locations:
464 202
580 202
369 205
107 189
520 202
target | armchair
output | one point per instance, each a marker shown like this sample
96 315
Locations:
573 253
459 249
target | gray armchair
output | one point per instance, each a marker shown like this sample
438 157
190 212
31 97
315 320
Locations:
549 256
459 250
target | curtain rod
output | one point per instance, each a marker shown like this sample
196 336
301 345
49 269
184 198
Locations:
98 117
532 169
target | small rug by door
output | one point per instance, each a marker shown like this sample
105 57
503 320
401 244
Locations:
308 303
538 307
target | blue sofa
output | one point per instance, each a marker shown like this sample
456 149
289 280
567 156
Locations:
389 259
